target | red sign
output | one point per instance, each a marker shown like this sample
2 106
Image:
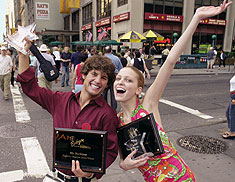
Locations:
87 27
121 17
102 22
213 21
163 17
167 40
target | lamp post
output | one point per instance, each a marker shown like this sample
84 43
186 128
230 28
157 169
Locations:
213 37
175 35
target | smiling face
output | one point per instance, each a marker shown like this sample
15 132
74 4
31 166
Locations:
95 82
126 85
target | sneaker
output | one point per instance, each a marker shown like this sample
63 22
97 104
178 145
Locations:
62 85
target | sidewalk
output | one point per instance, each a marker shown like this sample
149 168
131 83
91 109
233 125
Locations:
201 71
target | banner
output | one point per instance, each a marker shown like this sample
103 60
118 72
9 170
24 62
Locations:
74 3
64 8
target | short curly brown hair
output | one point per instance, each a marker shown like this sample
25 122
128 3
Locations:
100 63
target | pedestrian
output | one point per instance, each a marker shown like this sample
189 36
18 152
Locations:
75 57
165 53
42 81
5 72
57 55
222 59
118 65
210 59
139 63
66 66
77 76
129 84
85 110
10 53
123 59
127 56
230 112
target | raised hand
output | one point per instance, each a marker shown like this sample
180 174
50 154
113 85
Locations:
209 11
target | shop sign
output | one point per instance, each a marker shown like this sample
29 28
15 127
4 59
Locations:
210 21
42 11
121 17
86 27
165 41
163 17
103 22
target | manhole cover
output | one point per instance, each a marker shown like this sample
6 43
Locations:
202 144
16 131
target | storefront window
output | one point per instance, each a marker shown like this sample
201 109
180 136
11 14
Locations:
87 14
103 9
122 2
75 20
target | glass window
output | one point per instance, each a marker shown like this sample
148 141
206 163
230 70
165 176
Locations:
75 20
173 7
122 2
103 9
87 14
66 23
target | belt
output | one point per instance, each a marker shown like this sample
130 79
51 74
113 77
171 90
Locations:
68 178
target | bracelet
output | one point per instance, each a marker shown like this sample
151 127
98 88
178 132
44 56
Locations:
91 176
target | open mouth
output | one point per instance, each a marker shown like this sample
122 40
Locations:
120 90
95 86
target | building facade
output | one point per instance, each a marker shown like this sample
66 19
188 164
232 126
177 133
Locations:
90 17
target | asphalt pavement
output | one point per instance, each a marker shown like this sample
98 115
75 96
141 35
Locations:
207 167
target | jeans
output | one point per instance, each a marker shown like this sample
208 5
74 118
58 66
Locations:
65 73
112 98
230 114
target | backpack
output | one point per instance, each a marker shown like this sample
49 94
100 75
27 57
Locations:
50 72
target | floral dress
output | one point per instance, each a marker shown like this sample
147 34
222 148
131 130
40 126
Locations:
167 167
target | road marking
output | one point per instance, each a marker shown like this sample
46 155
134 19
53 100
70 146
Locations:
186 109
21 113
12 176
34 157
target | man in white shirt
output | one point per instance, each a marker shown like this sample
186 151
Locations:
5 72
42 81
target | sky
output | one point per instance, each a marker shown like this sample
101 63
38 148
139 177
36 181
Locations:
2 18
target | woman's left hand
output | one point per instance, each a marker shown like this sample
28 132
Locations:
78 171
210 11
129 163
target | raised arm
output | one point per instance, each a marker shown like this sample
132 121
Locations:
24 59
156 89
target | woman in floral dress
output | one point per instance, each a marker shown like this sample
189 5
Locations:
129 84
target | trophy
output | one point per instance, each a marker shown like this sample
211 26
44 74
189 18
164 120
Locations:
141 135
17 41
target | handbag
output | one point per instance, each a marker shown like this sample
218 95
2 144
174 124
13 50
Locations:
50 72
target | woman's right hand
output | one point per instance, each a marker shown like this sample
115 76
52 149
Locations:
129 163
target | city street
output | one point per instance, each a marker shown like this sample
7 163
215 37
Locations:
191 105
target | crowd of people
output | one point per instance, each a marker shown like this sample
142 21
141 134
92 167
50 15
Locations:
86 108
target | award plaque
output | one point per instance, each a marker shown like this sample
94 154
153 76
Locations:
86 146
141 134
